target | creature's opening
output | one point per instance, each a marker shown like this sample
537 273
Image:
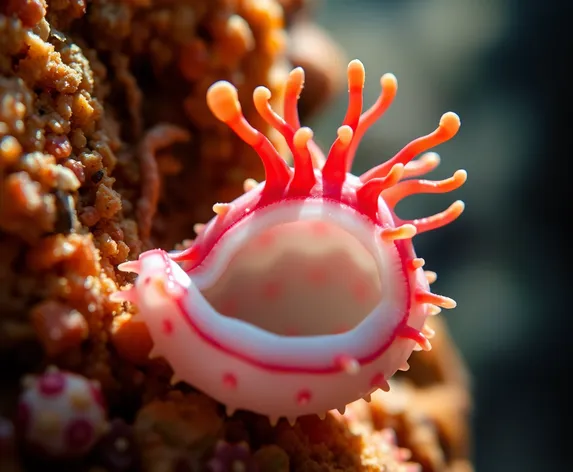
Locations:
304 278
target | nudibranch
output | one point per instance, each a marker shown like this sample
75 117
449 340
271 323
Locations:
305 293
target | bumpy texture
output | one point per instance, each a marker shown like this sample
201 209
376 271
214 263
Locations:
107 148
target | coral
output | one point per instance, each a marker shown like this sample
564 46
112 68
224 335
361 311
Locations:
187 430
180 428
55 147
107 148
313 444
436 389
58 326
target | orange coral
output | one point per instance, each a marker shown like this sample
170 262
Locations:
58 327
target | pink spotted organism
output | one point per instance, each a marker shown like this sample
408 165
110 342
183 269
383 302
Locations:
60 414
305 293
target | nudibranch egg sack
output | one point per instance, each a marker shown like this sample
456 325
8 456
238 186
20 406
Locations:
305 293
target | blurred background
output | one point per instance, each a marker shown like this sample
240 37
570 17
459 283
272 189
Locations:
501 65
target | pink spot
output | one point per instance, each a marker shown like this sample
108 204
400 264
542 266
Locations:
51 383
147 280
265 240
348 364
79 434
317 276
96 394
303 397
320 228
167 326
271 290
230 381
360 291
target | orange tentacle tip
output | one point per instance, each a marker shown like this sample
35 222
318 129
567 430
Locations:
223 100
286 355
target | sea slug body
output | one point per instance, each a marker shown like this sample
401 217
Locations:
305 293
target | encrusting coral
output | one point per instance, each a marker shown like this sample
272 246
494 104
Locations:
108 148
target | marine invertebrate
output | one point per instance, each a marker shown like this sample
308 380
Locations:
305 293
61 414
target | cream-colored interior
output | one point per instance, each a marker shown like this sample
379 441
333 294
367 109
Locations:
299 279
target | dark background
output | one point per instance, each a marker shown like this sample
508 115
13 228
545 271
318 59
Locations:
503 67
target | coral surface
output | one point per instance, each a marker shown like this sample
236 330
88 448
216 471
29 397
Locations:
107 148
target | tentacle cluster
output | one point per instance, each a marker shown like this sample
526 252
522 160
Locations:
316 175
313 175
